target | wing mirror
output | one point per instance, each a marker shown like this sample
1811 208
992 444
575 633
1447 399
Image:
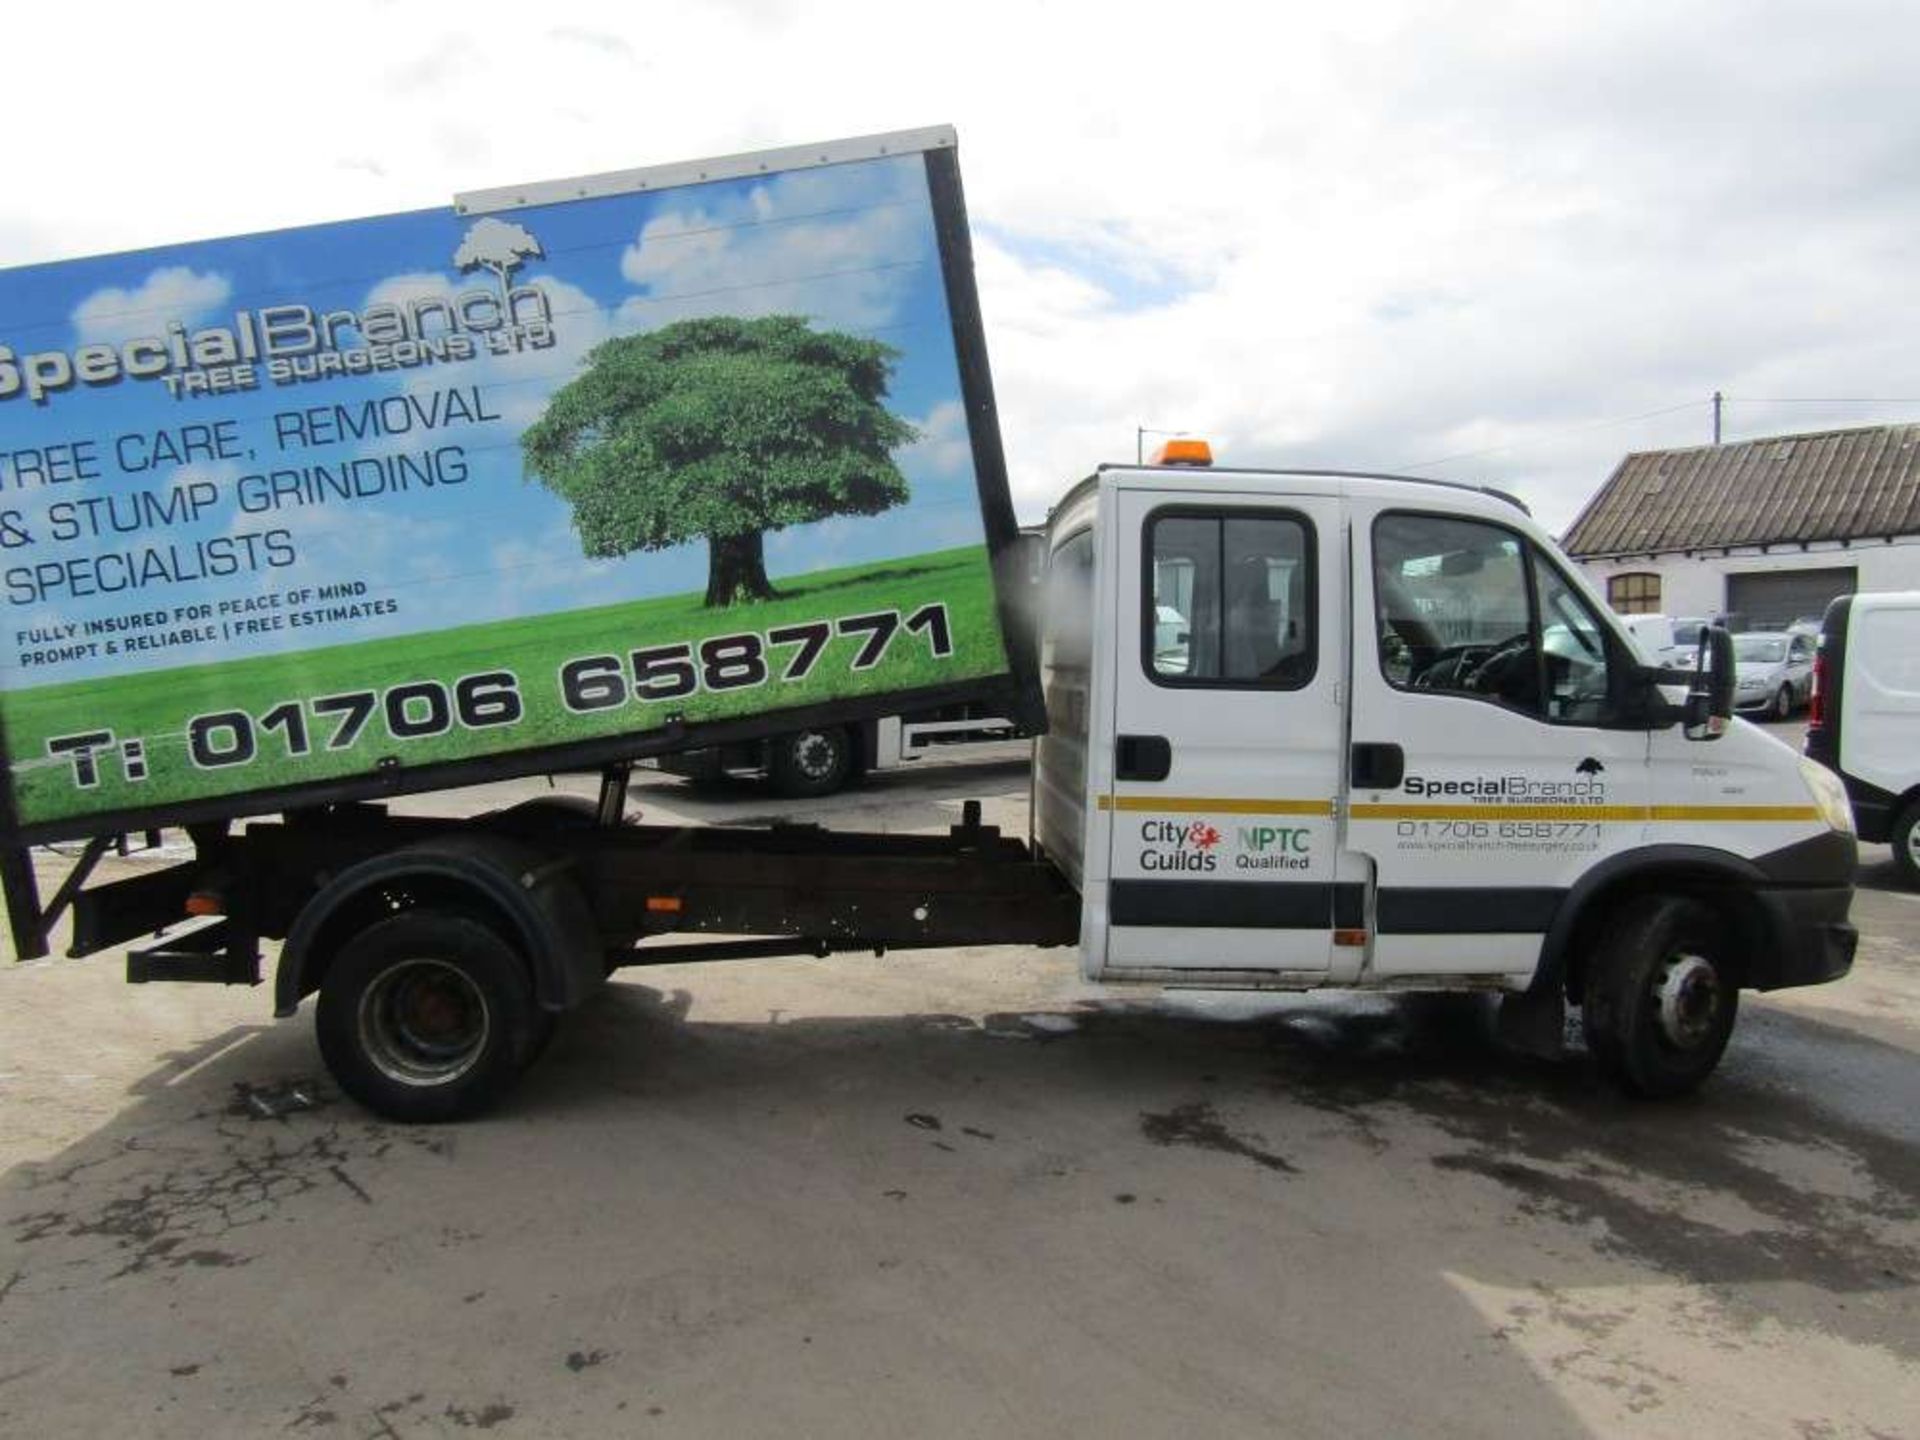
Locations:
1709 705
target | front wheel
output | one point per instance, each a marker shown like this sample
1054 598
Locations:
1660 1000
1783 703
427 1016
1906 845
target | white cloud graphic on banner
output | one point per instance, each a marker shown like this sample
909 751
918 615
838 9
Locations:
944 448
115 315
516 385
842 245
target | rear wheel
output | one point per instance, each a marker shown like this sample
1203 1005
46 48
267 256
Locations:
1660 1000
1906 844
812 762
428 1016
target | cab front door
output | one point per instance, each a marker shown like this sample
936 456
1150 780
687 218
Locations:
1497 755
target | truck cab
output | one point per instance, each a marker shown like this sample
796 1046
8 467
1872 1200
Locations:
1316 729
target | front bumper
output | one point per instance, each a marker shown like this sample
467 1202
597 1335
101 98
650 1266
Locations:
1804 891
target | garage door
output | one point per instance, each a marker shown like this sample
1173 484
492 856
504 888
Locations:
1776 598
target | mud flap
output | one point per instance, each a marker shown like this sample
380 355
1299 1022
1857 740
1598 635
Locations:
1533 1023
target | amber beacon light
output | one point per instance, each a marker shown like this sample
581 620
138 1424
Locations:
1184 452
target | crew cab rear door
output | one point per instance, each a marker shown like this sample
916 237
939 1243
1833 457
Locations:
1228 732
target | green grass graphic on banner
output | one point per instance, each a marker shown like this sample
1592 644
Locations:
244 725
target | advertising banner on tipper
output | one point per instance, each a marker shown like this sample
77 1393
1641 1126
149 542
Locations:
292 508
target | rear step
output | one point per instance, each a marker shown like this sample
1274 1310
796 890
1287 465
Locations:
214 954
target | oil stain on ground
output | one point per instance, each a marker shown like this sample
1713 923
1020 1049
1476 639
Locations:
179 1197
1197 1125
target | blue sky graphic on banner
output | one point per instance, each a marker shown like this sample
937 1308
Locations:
141 473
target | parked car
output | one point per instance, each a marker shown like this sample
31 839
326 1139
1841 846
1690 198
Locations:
1775 672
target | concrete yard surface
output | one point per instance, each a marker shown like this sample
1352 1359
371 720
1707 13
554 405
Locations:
960 1193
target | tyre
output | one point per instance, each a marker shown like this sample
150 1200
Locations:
1783 703
428 1016
1905 839
1660 1000
812 762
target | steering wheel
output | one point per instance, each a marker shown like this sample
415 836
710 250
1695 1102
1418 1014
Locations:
1487 675
1450 669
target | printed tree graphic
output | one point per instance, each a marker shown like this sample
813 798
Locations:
499 246
725 429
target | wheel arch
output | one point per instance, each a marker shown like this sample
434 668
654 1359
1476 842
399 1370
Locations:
512 888
1904 840
1714 877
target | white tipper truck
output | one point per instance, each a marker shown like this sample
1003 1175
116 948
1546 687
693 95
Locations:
1302 729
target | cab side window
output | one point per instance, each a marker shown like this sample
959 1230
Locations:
1469 608
1228 600
1584 684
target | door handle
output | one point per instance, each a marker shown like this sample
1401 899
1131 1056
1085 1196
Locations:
1378 765
1142 757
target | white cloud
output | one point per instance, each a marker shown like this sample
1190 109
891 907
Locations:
404 551
944 447
546 571
174 292
516 385
839 246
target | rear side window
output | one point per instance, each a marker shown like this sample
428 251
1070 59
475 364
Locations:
1228 599
1066 636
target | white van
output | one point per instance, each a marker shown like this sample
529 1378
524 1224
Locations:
1654 635
1670 640
1864 722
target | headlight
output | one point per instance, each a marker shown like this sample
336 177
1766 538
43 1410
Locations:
1829 795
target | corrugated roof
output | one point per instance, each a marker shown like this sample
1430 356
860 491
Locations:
1834 485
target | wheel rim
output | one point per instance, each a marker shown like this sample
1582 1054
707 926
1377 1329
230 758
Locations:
1913 845
1783 705
423 1022
1689 997
815 755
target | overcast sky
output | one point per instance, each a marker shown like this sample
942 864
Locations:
1480 241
